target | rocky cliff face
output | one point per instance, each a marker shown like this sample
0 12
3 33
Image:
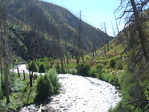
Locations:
39 27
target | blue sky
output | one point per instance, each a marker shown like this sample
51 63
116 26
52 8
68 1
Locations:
94 12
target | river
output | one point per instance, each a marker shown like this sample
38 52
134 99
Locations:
80 94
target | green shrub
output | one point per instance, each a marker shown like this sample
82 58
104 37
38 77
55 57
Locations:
111 78
87 58
41 68
32 66
46 61
96 72
131 86
71 65
47 85
58 68
93 73
44 89
99 70
14 83
52 74
83 69
105 76
73 72
112 63
119 65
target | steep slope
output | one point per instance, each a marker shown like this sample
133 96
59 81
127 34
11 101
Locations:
127 66
52 24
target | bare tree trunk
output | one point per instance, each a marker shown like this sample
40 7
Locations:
94 48
140 29
1 69
67 61
80 49
18 72
24 75
6 72
6 68
118 31
34 52
67 55
113 30
107 41
31 79
116 24
5 48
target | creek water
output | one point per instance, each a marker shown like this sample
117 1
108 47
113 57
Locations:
80 94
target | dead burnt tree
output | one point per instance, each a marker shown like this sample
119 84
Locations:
26 4
80 38
94 47
94 52
120 39
79 48
136 8
104 48
34 35
60 53
107 41
133 11
66 53
139 26
5 49
57 49
18 72
114 34
1 62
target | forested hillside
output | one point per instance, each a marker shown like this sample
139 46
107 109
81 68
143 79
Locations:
41 26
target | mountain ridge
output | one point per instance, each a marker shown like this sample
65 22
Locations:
52 22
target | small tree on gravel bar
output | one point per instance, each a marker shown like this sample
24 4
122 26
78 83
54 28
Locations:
44 89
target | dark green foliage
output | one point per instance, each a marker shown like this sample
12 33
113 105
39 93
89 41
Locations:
63 70
32 66
47 85
73 72
44 88
92 73
41 68
131 87
46 63
14 83
40 65
58 68
119 65
111 78
96 72
52 74
112 63
99 70
100 73
83 69
1 92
